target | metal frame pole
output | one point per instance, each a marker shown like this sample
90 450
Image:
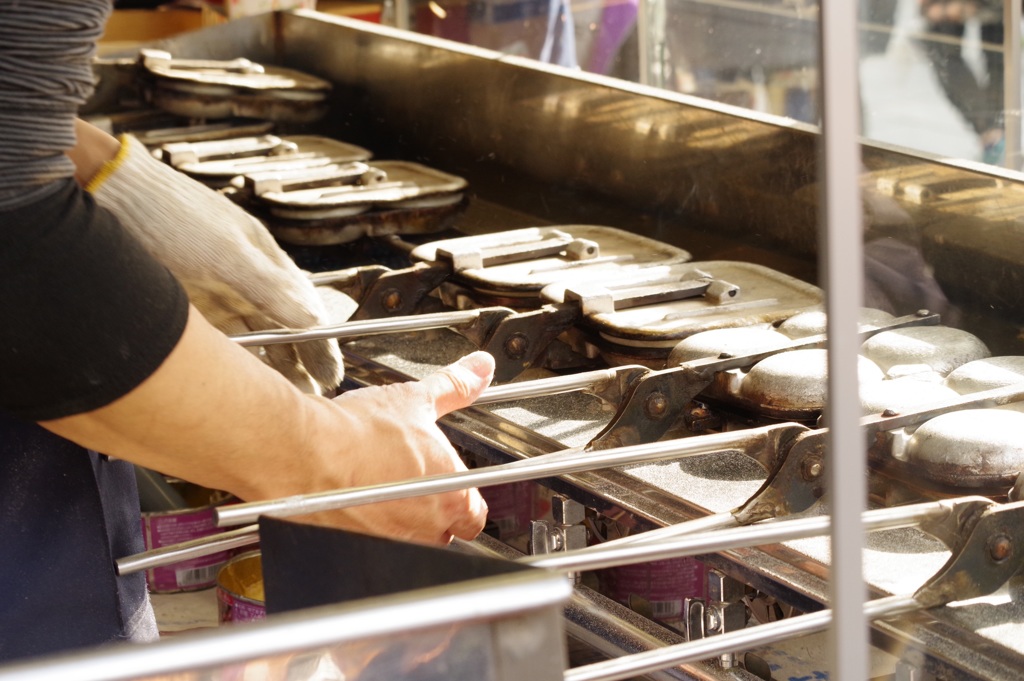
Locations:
1011 83
841 257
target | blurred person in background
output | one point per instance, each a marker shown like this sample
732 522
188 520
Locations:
979 100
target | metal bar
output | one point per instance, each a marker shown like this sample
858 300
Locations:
602 624
635 665
840 238
643 42
717 521
670 539
209 545
614 630
204 546
710 365
544 387
476 600
986 398
370 327
1011 84
402 12
558 463
759 534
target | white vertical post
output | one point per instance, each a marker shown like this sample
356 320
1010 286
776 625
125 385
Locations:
643 41
841 257
651 16
1011 83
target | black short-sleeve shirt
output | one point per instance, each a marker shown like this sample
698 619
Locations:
86 313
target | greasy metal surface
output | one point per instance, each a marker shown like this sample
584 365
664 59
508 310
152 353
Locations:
794 483
153 127
765 295
794 384
341 230
790 383
971 448
406 182
194 102
984 374
939 348
238 73
218 162
518 341
899 395
655 403
814 322
735 342
237 87
686 171
621 253
659 153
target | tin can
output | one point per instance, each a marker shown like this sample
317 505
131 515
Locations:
510 508
240 589
164 528
658 589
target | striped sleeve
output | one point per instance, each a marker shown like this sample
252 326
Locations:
46 51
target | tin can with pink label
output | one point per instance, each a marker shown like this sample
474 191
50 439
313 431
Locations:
510 508
658 589
193 521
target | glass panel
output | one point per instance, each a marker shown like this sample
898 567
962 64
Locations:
938 86
932 71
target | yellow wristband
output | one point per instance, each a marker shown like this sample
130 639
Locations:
109 167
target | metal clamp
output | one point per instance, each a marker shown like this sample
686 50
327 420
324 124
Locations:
725 610
558 244
987 551
518 341
658 400
565 532
597 299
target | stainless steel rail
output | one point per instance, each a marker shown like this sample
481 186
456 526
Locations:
543 387
309 630
196 548
633 665
759 534
559 463
361 329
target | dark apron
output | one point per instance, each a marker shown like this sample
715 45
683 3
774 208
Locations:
65 514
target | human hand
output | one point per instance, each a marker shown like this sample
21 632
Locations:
395 437
231 267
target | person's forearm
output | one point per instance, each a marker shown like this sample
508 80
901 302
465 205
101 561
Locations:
214 414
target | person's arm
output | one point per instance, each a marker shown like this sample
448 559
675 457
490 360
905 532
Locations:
214 414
